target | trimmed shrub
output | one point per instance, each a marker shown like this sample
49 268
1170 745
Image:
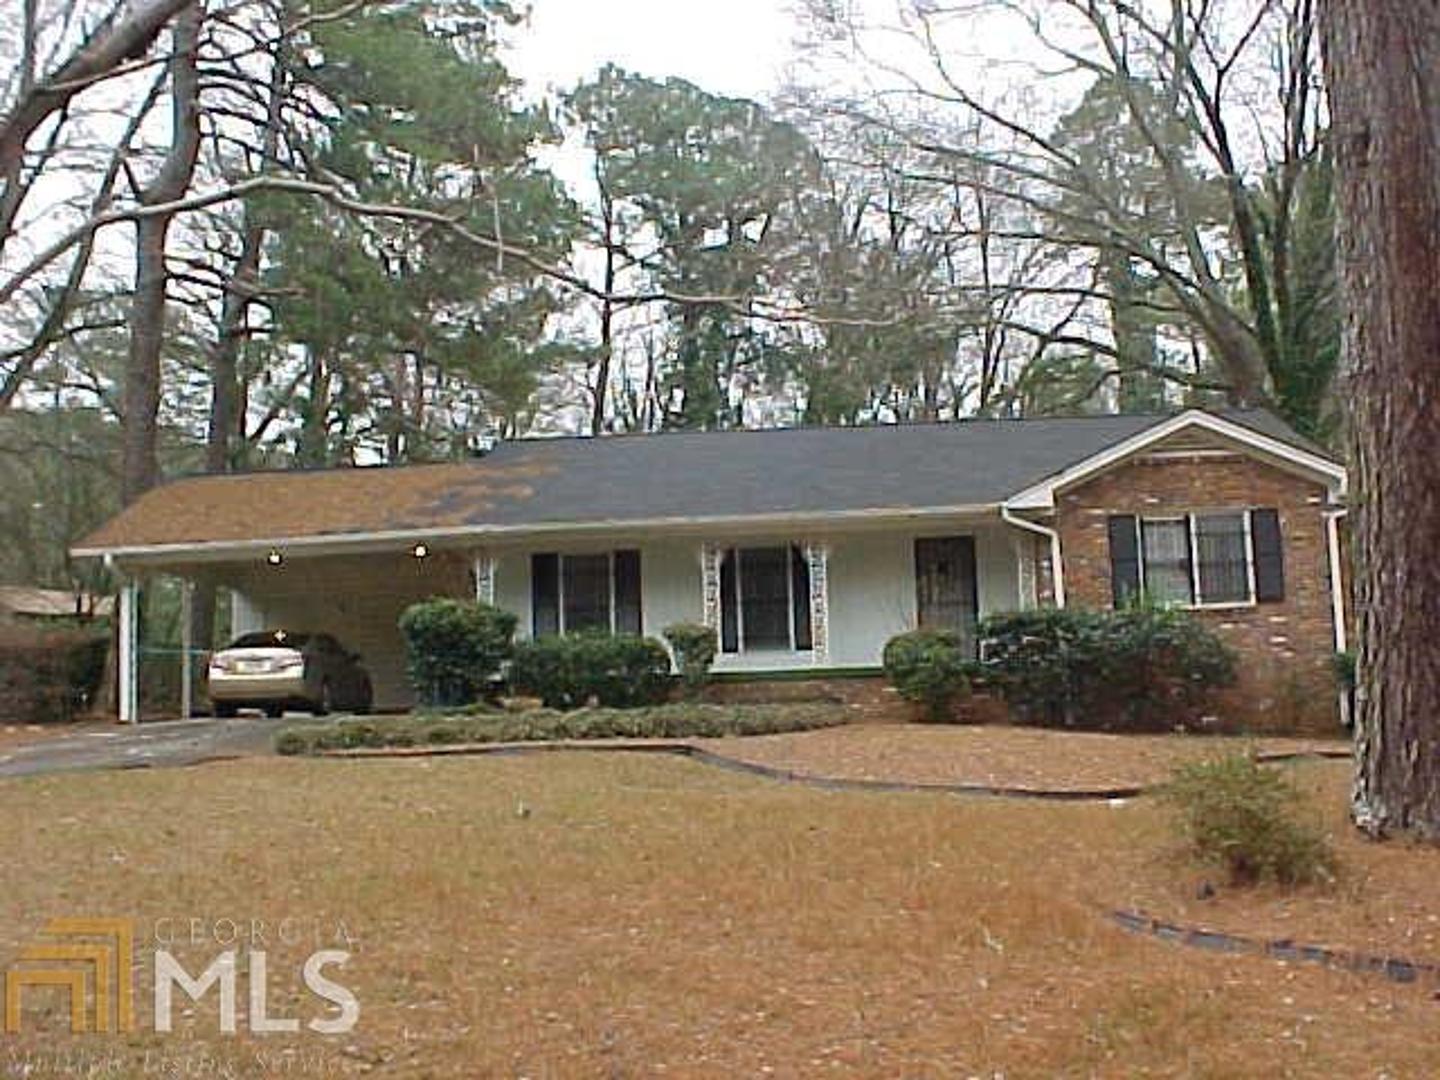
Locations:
1246 818
929 667
620 671
1137 669
681 720
695 647
455 648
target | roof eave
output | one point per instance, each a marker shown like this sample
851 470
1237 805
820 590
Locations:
396 539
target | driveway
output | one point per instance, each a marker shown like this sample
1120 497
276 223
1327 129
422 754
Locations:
174 742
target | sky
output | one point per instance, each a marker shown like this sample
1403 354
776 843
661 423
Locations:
737 47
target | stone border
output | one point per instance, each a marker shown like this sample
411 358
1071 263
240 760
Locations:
1396 969
707 756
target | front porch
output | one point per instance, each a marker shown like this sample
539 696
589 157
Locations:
781 599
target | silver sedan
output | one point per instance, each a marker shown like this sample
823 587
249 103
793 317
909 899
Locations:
275 670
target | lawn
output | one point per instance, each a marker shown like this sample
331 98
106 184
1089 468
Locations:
608 915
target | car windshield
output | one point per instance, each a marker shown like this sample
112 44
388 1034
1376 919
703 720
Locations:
270 639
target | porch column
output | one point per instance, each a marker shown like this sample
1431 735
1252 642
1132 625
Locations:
128 698
483 570
710 557
818 558
187 648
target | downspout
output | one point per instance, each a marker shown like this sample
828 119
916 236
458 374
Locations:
1337 599
1057 568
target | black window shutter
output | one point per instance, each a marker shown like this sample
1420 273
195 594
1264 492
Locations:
1124 559
1269 555
800 598
729 612
627 592
544 595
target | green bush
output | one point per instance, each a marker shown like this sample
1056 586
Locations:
1244 817
565 672
1137 669
929 667
455 648
681 720
695 647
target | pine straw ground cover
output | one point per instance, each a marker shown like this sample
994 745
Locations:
577 915
1010 757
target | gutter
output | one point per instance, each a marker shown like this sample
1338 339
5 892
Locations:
1057 568
1337 600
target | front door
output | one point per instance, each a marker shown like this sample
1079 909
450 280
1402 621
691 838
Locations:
945 594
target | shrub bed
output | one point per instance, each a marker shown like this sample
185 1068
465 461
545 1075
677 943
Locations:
677 721
615 670
1140 669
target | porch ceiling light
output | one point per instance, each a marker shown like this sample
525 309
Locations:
420 551
274 557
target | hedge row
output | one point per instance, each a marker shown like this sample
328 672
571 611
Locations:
48 675
677 721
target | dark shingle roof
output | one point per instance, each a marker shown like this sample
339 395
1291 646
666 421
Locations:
640 478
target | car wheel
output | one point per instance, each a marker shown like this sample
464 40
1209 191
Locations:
224 710
274 712
326 702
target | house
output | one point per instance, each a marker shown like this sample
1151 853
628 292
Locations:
43 605
807 549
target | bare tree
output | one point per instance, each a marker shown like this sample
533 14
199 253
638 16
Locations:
1382 61
140 468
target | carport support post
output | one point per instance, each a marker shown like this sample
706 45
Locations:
187 645
129 673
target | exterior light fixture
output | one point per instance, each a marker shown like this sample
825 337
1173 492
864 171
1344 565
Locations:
420 551
274 557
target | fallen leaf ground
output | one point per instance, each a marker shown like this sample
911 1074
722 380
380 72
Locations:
624 916
1011 757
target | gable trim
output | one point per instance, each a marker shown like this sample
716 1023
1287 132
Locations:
1041 496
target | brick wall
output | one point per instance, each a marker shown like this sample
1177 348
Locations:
1285 649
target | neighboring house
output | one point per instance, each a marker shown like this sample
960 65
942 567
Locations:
42 605
807 549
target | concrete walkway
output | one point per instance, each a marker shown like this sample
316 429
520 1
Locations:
172 742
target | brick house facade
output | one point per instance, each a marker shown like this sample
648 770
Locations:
1286 647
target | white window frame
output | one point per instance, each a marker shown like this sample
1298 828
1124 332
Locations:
1169 519
560 585
1198 602
772 650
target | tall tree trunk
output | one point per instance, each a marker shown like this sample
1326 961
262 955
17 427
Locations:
1382 60
140 468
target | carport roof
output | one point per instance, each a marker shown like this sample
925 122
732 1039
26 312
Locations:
637 480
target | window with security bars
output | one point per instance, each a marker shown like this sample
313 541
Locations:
1213 558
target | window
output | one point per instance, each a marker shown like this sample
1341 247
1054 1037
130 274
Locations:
1222 558
1216 558
764 599
1165 543
599 591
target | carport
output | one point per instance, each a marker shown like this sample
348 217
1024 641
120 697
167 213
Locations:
355 595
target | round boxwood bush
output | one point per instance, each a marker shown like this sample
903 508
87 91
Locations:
930 667
455 648
695 646
619 671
